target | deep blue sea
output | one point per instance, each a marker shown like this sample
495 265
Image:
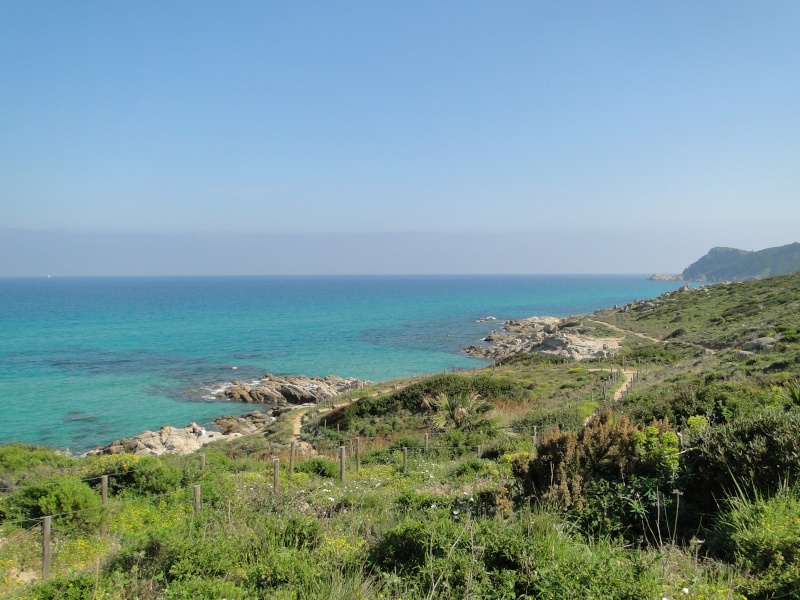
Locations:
84 361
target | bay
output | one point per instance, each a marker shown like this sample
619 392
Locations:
84 361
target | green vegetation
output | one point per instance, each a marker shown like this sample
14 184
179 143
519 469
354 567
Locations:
730 264
528 480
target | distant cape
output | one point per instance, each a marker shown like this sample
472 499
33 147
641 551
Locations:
732 264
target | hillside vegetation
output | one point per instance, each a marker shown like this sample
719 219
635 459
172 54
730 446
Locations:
731 264
536 479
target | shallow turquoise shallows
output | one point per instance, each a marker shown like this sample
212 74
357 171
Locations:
84 361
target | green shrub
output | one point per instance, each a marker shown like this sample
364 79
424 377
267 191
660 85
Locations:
762 535
413 500
20 460
755 453
718 401
505 445
653 354
471 467
319 466
536 358
59 495
405 548
80 587
608 449
411 398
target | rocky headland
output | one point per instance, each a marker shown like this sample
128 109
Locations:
568 337
731 264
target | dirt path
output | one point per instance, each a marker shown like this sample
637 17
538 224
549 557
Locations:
626 384
297 423
626 331
297 418
627 378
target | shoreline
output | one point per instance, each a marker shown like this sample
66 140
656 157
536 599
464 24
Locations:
561 339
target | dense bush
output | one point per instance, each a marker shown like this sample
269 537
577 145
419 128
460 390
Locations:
762 535
653 354
60 495
606 448
535 358
319 466
718 401
753 454
19 461
411 398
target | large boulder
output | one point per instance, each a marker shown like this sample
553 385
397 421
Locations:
295 389
167 440
762 343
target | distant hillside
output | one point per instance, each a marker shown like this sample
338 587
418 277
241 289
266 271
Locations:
731 264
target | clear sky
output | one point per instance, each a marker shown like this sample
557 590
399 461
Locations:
543 136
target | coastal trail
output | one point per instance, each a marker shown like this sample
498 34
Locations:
626 331
625 384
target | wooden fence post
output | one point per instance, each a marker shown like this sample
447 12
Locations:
197 500
276 470
405 458
478 453
358 454
426 442
46 547
342 451
104 498
291 459
202 458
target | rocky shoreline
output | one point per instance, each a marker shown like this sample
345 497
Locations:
292 389
568 337
283 393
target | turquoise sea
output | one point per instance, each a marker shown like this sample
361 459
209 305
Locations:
84 361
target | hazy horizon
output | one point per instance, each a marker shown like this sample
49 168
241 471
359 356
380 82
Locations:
354 137
31 253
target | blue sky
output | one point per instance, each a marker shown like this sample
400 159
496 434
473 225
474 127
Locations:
630 134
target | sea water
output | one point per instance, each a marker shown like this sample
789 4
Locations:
84 361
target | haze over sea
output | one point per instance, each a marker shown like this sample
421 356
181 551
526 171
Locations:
84 361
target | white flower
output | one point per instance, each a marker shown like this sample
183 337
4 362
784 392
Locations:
331 499
685 591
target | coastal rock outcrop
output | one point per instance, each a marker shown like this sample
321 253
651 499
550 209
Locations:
293 389
663 277
185 440
548 335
